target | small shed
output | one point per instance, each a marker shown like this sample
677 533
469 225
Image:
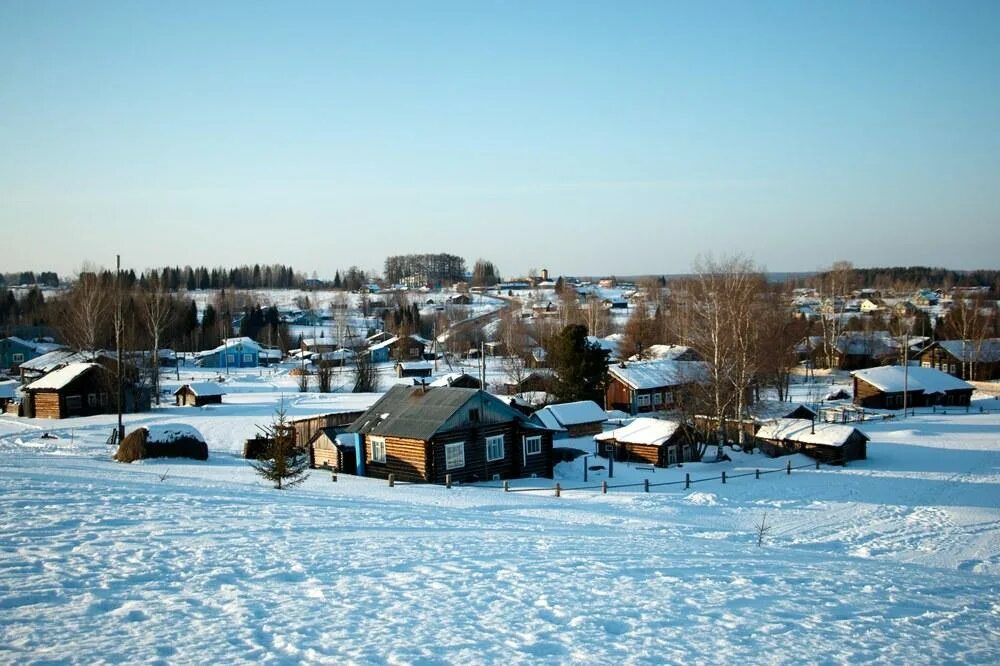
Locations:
327 452
828 442
661 443
199 394
573 419
78 389
414 369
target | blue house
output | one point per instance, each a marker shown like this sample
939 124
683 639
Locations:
232 353
14 351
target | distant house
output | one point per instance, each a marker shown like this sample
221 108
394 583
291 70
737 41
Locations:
650 386
458 380
8 395
410 348
414 369
460 299
79 389
535 381
232 353
423 434
661 443
572 419
852 350
14 351
759 413
668 353
965 359
883 388
198 394
828 442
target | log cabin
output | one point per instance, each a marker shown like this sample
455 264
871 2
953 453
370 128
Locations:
650 386
828 442
965 359
198 394
423 434
77 389
883 388
661 443
572 419
326 452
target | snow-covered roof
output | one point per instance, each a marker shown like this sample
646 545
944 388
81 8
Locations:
802 430
668 352
976 351
169 432
561 416
241 342
39 347
53 359
384 344
643 430
202 389
656 374
446 380
8 389
765 410
891 379
416 365
58 379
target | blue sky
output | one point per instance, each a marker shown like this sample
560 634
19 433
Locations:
582 137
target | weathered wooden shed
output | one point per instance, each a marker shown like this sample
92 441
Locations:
77 389
325 451
199 394
828 442
660 443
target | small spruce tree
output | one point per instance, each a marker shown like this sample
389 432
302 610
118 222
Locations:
283 463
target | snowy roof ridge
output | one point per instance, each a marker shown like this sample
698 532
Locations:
60 378
643 430
892 379
808 432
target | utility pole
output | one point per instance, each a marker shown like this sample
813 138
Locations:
906 369
119 325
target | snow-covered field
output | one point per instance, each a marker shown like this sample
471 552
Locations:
894 559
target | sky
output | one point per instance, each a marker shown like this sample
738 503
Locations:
582 137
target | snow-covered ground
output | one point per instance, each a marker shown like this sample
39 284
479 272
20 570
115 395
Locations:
894 559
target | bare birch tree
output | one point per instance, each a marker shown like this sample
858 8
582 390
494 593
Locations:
157 311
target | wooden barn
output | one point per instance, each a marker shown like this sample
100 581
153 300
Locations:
660 443
77 389
883 388
828 442
414 369
650 386
325 451
965 359
199 394
572 419
423 434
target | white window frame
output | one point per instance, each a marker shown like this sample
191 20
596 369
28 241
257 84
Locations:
17 357
668 399
231 359
454 455
532 445
248 358
493 455
925 364
657 398
642 400
377 448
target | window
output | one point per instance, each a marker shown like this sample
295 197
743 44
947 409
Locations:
925 364
104 400
74 402
494 448
92 400
378 449
642 399
474 415
668 399
17 358
953 369
533 445
454 455
231 359
657 398
248 358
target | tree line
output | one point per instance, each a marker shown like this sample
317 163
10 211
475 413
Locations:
434 269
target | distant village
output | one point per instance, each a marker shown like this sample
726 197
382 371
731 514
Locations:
475 376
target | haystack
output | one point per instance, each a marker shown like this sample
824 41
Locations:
174 440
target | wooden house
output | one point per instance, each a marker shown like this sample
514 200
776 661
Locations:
409 348
572 419
232 353
8 396
660 443
650 386
536 381
965 359
828 442
14 351
327 452
77 389
883 388
40 366
424 434
457 379
199 394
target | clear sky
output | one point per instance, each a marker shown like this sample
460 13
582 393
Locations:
583 137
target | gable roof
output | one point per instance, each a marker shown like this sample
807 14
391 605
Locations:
801 430
202 389
37 347
561 416
890 378
985 351
419 413
58 379
643 430
658 374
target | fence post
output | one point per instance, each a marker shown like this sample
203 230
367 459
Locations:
645 485
333 476
687 480
604 487
392 480
585 469
558 490
789 468
817 464
758 474
506 486
723 478
447 480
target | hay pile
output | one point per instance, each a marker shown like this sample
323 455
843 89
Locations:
163 441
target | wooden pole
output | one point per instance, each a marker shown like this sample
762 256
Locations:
506 486
758 474
447 480
392 480
723 478
558 490
645 485
604 487
687 480
789 468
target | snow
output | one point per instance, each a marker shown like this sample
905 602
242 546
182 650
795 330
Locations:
168 432
204 389
57 379
656 374
643 430
893 559
563 415
891 378
805 431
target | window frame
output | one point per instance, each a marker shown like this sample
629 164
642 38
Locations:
17 357
450 461
74 402
376 449
490 442
248 358
642 400
528 441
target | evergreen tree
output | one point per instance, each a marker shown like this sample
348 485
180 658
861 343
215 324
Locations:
283 463
580 366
